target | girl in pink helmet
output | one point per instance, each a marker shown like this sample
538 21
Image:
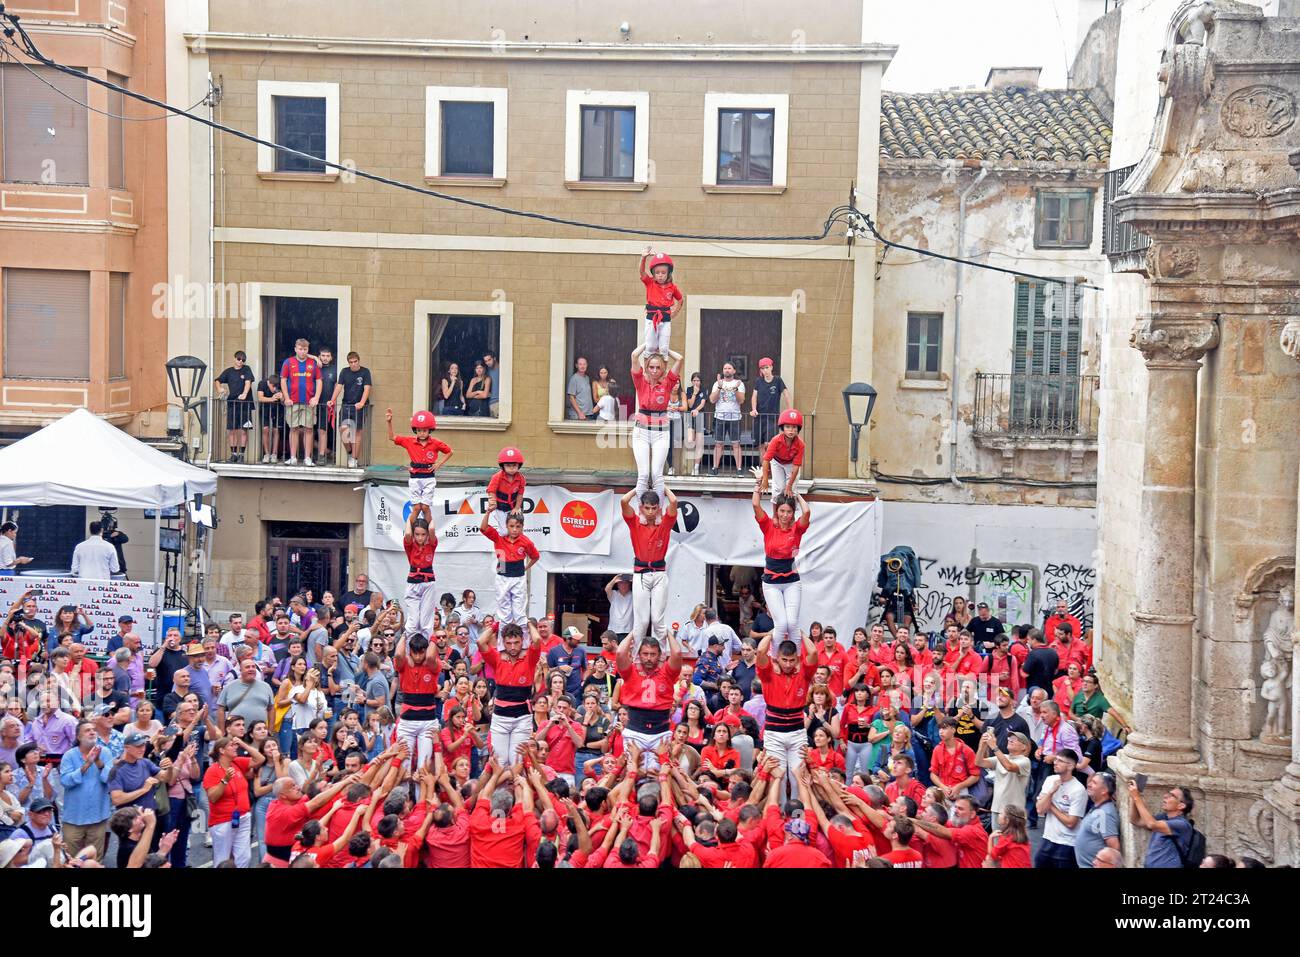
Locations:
424 450
663 300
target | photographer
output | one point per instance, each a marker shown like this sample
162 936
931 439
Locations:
95 558
24 633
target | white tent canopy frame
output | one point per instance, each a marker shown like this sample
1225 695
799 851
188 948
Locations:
120 472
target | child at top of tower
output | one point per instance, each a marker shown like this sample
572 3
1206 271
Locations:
663 300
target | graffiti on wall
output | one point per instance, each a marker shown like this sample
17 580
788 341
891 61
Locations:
1016 593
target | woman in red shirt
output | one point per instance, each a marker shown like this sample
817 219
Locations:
853 727
720 758
782 535
1009 842
226 784
1067 686
459 739
903 667
823 755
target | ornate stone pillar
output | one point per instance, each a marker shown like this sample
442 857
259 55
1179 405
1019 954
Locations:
1163 643
1285 795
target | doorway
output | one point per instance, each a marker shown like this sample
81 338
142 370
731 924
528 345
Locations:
286 319
306 555
578 594
725 583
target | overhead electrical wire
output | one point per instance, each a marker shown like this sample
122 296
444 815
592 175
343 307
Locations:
855 221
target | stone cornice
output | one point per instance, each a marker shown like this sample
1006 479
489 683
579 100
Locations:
1212 217
1089 174
882 53
1174 342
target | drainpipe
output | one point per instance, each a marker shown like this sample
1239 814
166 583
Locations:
212 277
956 323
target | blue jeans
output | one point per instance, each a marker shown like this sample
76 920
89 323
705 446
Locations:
288 739
260 807
1037 775
178 819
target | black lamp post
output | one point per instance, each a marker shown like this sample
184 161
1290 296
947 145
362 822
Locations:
185 374
859 400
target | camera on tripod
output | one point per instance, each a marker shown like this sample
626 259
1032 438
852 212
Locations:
107 521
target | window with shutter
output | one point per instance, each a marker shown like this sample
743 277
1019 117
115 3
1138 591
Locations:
116 137
1046 339
46 324
117 282
1063 219
44 130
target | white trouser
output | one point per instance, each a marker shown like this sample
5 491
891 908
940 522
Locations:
507 735
647 743
512 601
656 339
421 605
649 606
420 736
788 748
229 841
780 475
783 605
650 448
497 519
421 490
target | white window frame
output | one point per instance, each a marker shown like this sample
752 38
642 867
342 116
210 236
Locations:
267 90
575 100
293 290
561 312
789 309
779 104
422 374
434 97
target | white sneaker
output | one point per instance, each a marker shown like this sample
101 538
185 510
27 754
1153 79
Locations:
290 461
266 459
308 462
352 463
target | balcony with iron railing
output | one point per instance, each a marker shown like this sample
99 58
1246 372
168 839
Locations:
254 438
1029 410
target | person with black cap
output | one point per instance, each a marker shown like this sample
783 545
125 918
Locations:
708 672
134 779
125 625
984 627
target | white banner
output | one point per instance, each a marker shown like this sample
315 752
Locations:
103 602
837 562
556 519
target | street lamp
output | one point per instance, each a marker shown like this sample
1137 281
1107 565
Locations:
859 400
185 374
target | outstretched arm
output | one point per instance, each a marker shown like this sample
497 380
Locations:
626 503
388 416
805 513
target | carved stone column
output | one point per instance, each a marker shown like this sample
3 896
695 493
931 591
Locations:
1163 644
1285 795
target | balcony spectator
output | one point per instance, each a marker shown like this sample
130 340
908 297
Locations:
353 388
727 395
237 383
693 403
478 401
9 558
578 394
601 386
494 372
769 397
325 413
300 374
451 391
270 400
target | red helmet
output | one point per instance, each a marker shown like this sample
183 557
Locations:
423 420
663 259
510 454
790 417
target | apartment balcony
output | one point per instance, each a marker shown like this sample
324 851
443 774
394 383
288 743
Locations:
1123 245
252 439
1036 411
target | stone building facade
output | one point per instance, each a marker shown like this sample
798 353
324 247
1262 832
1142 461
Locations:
1201 392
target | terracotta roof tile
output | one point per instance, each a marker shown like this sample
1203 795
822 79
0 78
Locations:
1004 125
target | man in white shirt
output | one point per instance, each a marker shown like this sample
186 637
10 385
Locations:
9 558
619 592
1061 805
235 635
730 640
692 633
95 558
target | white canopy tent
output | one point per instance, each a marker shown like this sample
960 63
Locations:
115 470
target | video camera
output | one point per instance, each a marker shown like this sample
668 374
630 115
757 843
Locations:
107 521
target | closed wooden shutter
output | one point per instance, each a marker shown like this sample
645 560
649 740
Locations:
47 324
44 132
116 137
1046 340
117 325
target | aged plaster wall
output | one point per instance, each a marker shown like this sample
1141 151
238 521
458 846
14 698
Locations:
1023 558
912 422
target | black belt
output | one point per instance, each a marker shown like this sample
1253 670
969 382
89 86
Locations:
420 699
643 419
420 471
416 713
666 312
504 503
646 721
641 566
280 852
511 569
784 719
513 693
419 577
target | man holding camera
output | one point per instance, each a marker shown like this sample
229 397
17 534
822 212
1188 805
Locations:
95 558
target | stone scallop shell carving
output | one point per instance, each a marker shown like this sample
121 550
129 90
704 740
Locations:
1259 111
